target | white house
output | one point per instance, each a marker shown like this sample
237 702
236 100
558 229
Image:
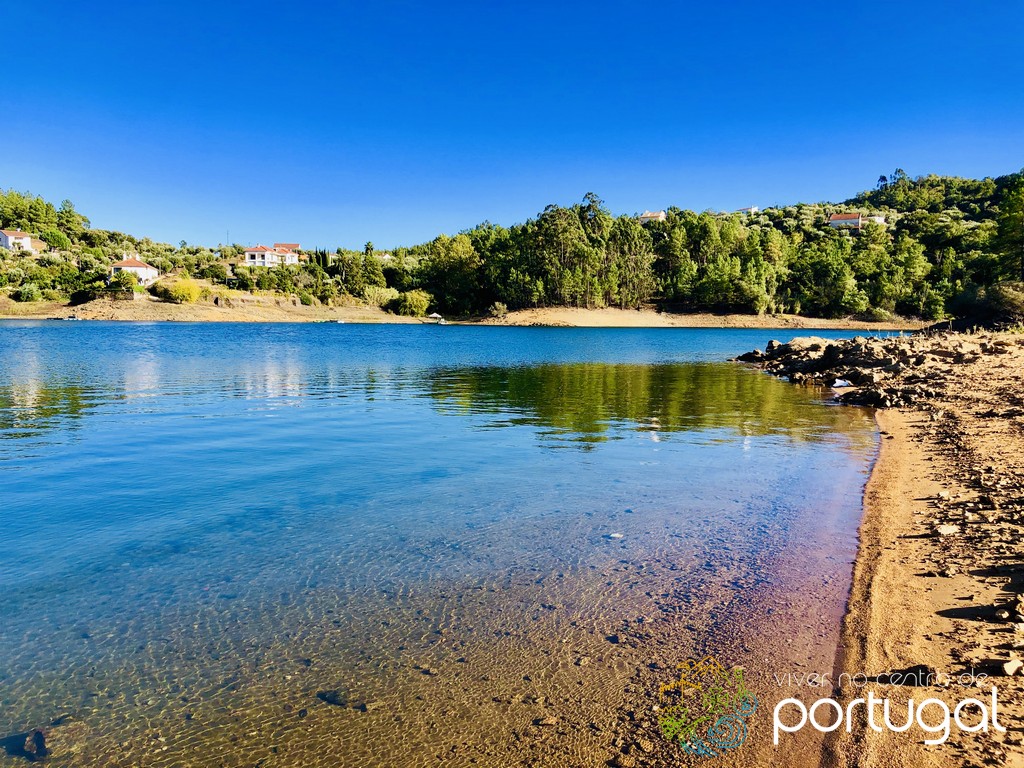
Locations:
649 216
143 271
852 220
842 220
261 256
749 211
16 240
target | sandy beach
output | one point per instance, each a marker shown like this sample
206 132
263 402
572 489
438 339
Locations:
937 582
243 307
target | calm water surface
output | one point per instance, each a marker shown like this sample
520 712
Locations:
206 524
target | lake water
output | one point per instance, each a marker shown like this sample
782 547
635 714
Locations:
457 530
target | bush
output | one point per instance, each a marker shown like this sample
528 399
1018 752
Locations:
306 298
876 315
126 280
28 292
1000 304
52 294
378 296
1005 302
185 291
411 303
215 273
498 309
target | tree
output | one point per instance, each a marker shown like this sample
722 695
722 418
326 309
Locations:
1010 237
632 253
56 239
70 221
451 272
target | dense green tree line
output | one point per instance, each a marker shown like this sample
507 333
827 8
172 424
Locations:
944 238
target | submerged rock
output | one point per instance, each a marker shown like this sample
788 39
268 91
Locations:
334 697
63 738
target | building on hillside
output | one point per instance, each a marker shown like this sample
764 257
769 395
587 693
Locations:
853 220
749 211
16 240
145 273
652 216
261 256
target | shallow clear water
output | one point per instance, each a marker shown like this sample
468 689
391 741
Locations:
204 525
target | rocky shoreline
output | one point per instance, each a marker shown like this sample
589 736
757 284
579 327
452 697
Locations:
880 372
938 585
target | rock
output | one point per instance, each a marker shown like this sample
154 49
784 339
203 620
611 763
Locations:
624 761
333 697
615 535
370 706
946 530
63 738
546 722
582 661
1012 667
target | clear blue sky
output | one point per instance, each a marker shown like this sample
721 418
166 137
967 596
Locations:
334 123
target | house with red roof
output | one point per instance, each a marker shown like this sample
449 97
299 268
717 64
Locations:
145 273
852 220
16 240
280 254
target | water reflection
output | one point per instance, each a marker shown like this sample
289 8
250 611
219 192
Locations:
595 402
585 403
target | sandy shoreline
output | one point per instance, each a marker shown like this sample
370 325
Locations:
937 583
270 309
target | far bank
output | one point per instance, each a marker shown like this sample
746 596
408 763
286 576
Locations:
269 309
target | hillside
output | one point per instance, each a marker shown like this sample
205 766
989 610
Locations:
931 247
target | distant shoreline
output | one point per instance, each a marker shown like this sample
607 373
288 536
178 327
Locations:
268 309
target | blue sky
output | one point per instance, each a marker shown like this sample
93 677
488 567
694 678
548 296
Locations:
336 123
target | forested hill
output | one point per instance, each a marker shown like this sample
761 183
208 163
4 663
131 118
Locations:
939 241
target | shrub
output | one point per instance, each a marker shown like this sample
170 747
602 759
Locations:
1000 304
126 280
411 303
185 291
52 294
498 309
28 292
306 298
378 296
215 272
876 315
51 260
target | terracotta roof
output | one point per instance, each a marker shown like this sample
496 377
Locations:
15 233
133 263
259 248
287 246
844 217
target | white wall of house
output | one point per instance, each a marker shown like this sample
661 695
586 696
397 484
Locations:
270 258
16 242
855 222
